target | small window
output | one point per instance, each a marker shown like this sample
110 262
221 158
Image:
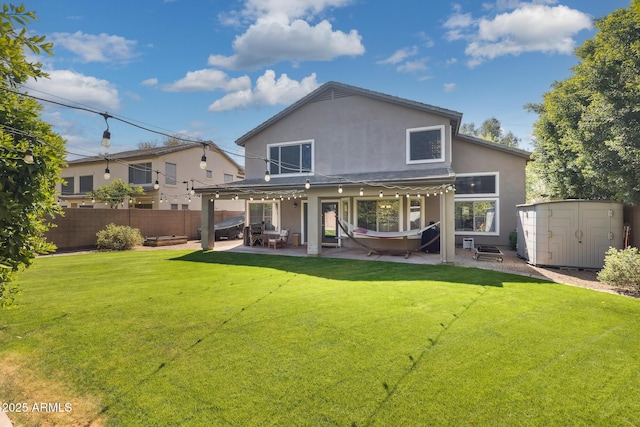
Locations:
477 184
86 183
174 206
290 158
140 173
67 186
228 177
170 173
185 207
209 174
425 145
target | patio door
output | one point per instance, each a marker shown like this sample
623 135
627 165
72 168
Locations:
330 223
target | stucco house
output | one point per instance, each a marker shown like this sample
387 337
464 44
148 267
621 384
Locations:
167 174
376 162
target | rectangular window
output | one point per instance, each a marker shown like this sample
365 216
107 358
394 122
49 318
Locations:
174 206
263 212
228 177
476 216
290 158
67 186
378 215
86 183
415 213
477 184
170 173
425 145
209 174
185 207
140 173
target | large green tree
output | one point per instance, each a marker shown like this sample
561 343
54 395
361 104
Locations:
31 155
491 130
587 136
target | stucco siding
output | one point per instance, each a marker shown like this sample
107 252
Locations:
475 158
352 134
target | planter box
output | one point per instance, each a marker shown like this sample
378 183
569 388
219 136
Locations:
165 240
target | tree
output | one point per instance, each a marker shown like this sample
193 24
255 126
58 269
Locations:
115 193
491 130
587 136
31 155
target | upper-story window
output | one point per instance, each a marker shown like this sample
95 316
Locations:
67 185
86 183
140 173
290 157
170 173
425 145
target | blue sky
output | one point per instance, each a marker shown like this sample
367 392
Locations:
214 70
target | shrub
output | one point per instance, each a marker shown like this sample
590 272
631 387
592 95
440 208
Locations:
119 237
621 268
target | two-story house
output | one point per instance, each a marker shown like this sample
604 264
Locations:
167 174
377 162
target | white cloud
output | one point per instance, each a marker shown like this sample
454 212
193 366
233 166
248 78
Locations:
268 91
280 31
400 55
266 43
150 82
413 66
449 87
97 93
530 28
208 80
96 48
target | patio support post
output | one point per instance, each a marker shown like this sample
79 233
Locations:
447 228
207 224
314 240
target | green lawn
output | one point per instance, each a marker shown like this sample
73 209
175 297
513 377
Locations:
214 339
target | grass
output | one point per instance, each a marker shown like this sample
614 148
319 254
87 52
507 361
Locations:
192 338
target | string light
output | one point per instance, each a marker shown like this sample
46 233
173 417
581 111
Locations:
156 185
203 159
381 194
107 172
267 175
106 135
28 156
361 191
340 189
307 184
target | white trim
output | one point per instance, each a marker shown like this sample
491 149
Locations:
427 128
497 178
496 218
291 143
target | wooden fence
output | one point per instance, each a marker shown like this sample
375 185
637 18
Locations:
78 227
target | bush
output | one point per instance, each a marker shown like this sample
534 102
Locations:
621 268
119 237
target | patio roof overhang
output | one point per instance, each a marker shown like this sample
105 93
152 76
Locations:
415 181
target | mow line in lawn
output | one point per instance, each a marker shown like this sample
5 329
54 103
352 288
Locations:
415 362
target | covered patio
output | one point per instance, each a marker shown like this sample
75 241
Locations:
321 211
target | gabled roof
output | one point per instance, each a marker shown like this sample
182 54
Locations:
332 90
154 152
494 145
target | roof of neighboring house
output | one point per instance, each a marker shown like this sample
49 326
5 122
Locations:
332 90
494 145
154 152
408 177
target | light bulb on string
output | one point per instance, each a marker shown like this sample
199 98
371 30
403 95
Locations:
307 184
203 159
28 156
381 194
361 191
106 135
107 172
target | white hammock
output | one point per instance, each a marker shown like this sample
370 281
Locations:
351 229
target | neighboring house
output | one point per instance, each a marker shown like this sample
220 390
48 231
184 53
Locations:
174 170
378 162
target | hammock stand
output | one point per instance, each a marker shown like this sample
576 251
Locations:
386 235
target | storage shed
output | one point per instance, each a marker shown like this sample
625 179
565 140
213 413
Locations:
569 233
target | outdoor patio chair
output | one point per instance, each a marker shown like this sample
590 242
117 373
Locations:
280 240
256 234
